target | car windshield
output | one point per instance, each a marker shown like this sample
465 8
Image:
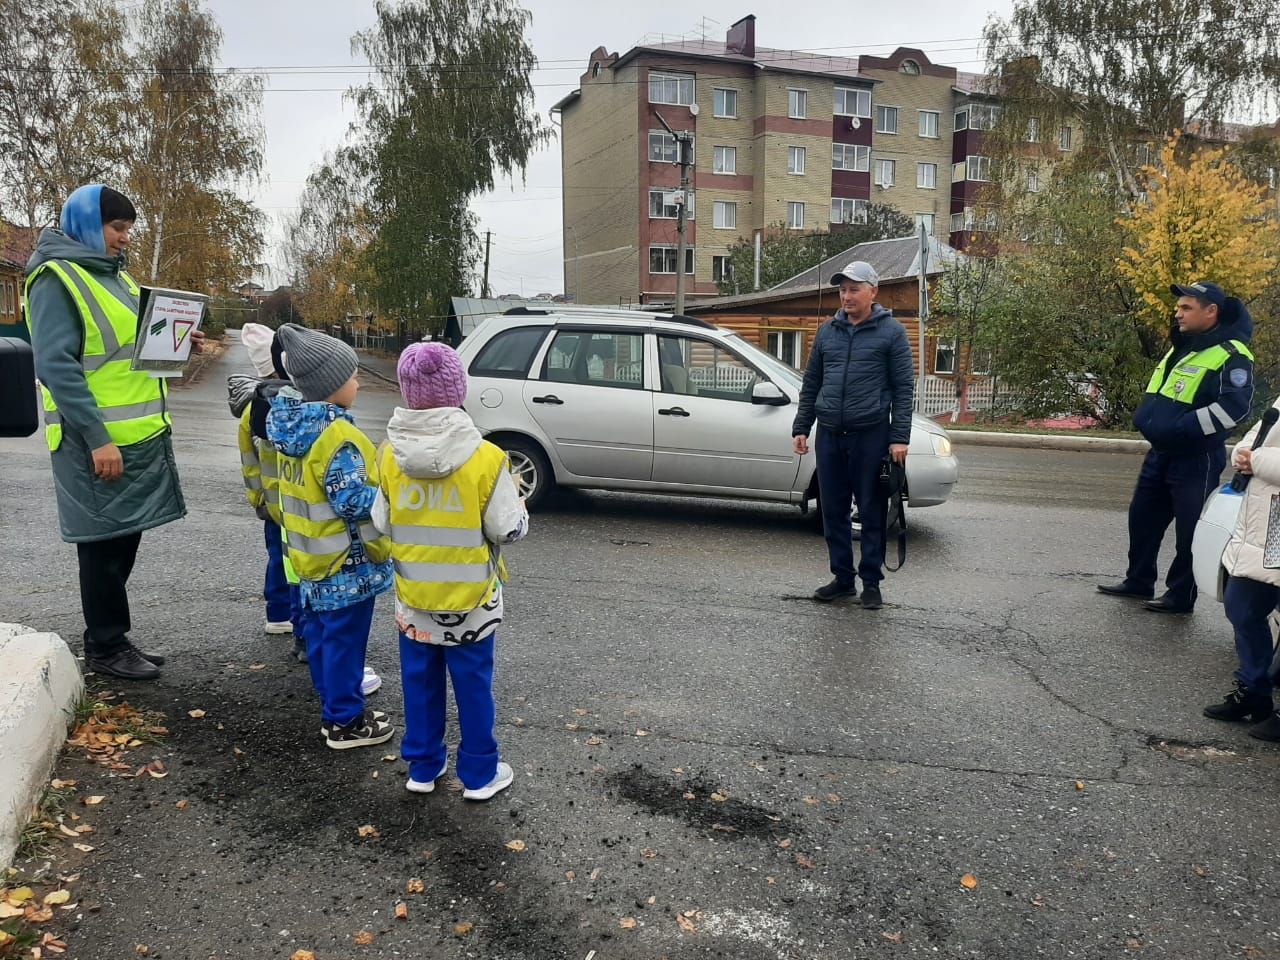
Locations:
768 361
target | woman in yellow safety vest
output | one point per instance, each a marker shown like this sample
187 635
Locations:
107 426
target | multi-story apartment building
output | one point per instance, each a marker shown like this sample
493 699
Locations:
780 136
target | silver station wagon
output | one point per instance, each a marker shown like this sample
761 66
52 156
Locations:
623 400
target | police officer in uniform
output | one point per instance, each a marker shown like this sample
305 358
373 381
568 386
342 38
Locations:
1199 392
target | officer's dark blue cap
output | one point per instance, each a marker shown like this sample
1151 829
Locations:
1204 289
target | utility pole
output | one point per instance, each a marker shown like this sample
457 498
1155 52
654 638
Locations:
484 287
684 145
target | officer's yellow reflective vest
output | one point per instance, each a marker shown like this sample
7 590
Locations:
318 540
1184 383
442 560
131 403
259 467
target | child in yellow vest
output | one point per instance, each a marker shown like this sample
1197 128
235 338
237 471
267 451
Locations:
448 501
328 476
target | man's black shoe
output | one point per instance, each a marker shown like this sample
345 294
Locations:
1124 590
871 598
1167 604
1268 729
156 658
1240 705
834 590
126 663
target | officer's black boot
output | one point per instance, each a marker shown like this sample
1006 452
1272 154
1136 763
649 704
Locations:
1240 704
1268 729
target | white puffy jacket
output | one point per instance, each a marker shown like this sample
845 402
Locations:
1243 556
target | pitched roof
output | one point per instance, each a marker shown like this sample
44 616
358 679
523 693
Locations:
15 244
897 259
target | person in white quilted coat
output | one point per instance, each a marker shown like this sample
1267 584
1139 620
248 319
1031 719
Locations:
1253 590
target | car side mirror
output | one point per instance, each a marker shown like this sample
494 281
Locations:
768 393
18 416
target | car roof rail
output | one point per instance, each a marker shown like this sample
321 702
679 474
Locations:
576 312
691 321
525 312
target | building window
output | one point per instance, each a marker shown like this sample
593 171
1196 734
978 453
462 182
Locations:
944 356
725 103
980 116
1033 181
886 119
910 68
848 210
979 362
977 168
795 160
595 69
885 170
797 104
1064 138
849 156
852 103
961 121
927 176
929 123
795 215
786 345
663 258
724 215
675 88
924 220
725 160
662 147
664 204
973 221
722 269
1033 130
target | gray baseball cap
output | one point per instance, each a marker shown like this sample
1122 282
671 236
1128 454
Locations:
860 272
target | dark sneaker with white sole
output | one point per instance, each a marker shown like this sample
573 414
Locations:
127 663
834 591
376 714
368 731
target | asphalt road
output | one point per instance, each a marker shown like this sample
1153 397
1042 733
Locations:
698 747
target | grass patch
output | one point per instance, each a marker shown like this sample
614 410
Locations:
17 939
1040 431
41 831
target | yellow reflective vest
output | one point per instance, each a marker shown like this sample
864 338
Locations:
442 560
318 540
131 403
1184 383
259 468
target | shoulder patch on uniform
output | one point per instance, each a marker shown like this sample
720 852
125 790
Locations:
1239 377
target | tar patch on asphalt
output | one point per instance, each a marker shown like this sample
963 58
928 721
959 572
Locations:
728 819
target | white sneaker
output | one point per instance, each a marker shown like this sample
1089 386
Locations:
420 786
371 682
279 626
501 780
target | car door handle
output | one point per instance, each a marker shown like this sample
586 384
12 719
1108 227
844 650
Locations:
549 398
674 412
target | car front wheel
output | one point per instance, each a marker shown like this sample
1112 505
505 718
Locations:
529 469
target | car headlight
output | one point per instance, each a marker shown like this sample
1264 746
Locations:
941 445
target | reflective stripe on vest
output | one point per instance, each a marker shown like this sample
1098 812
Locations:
442 560
319 541
1184 382
130 403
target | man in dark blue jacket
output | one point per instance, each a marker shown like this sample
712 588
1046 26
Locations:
1202 388
859 385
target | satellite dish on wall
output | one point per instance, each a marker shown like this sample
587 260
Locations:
693 109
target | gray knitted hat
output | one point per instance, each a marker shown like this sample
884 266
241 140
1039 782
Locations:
317 363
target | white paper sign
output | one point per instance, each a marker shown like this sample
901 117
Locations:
169 328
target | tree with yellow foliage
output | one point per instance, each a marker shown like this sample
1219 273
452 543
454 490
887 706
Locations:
1201 219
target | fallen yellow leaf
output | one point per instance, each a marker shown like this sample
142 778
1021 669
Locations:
64 829
302 955
57 897
516 845
969 881
784 844
570 875
719 797
688 795
1079 784
594 741
92 801
402 911
362 938
83 847
5 938
579 712
627 923
642 733
461 929
181 804
34 914
8 910
368 830
195 714
685 923
257 666
414 886
891 937
61 784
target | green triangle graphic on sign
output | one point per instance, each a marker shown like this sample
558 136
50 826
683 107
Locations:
180 330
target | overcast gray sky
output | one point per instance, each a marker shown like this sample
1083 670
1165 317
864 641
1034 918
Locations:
305 47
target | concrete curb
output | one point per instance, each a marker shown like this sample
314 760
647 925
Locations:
1041 441
38 691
